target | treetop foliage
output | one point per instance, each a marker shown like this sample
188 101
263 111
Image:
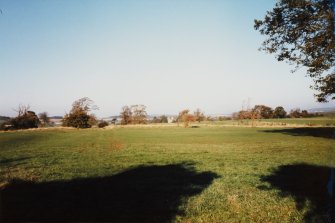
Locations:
78 116
302 32
85 104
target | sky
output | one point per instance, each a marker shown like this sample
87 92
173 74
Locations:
168 55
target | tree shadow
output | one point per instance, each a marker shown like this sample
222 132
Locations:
310 186
323 132
10 161
142 194
10 140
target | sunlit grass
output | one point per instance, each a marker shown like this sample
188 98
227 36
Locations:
239 156
317 121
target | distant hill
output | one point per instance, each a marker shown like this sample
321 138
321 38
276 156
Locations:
4 118
321 110
56 117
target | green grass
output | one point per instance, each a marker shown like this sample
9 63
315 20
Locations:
319 121
170 174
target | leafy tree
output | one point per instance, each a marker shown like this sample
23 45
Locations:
279 112
199 115
163 119
301 32
79 116
262 111
125 115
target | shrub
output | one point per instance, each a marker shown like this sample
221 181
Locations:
102 124
77 120
78 116
25 121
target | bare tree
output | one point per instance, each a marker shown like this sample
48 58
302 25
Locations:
84 104
199 115
22 109
44 118
139 114
126 115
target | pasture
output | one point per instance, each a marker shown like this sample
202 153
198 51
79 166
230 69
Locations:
170 174
285 122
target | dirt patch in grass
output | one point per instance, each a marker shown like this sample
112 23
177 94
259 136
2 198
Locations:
116 145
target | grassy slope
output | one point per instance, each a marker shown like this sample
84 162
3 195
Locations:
243 162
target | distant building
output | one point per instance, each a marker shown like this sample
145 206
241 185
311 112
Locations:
171 119
114 120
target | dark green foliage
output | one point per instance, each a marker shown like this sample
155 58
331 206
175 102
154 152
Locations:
301 32
163 119
262 111
279 112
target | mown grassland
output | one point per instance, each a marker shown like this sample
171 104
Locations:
170 174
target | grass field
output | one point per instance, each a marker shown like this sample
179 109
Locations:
318 121
171 174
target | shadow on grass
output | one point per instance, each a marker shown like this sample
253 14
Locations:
5 161
142 194
11 140
323 132
309 185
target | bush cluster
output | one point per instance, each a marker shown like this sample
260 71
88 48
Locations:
102 124
79 116
25 120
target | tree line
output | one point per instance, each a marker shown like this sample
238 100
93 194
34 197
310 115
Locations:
81 116
266 112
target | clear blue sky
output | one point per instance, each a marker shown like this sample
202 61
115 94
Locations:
168 55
